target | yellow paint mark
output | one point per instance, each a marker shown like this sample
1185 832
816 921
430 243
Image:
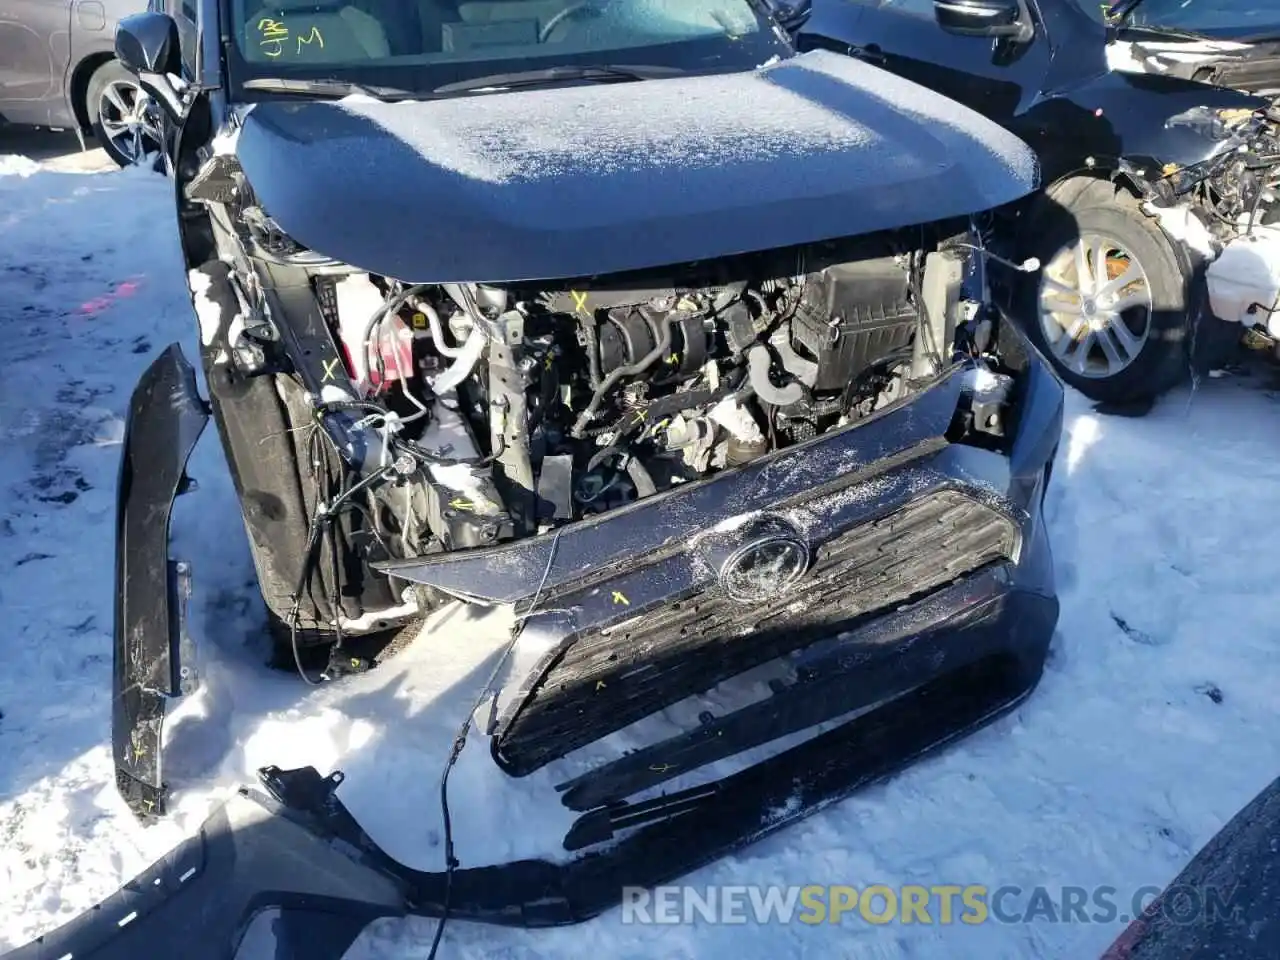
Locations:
355 663
314 37
150 804
272 29
274 33
641 416
673 359
461 503
620 599
599 685
419 321
579 300
329 367
661 767
1169 168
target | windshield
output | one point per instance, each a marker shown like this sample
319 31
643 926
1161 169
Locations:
1236 18
420 45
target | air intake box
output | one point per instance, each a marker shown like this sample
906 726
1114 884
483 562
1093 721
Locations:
851 315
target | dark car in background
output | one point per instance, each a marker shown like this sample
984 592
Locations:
1150 122
58 69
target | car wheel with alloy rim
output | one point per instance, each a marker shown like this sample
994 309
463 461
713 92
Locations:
125 120
1109 306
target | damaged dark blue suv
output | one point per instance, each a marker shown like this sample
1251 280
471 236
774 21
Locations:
626 315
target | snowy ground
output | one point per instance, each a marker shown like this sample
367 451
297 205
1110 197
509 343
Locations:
1155 722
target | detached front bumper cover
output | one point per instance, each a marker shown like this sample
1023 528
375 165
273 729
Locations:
293 872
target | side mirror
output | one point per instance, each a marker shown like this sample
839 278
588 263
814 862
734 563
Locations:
147 45
1008 19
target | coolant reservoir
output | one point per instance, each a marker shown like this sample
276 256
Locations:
358 300
1244 282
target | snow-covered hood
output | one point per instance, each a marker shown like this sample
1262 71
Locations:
592 179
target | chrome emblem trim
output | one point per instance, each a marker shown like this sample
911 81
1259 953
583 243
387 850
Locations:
773 558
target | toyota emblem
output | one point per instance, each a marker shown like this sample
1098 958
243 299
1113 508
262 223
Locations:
764 567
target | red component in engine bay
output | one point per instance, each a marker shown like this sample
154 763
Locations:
391 353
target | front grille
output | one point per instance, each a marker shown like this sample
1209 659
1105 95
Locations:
609 678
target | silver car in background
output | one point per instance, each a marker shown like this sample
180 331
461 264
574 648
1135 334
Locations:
58 70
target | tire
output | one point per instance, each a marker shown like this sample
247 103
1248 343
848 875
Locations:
1099 360
104 111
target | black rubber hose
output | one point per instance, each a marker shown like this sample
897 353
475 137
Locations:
591 342
388 308
351 406
426 456
664 344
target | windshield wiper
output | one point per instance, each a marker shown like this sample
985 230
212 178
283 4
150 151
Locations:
327 88
1174 33
533 78
1120 19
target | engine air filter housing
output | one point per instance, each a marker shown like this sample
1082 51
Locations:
852 314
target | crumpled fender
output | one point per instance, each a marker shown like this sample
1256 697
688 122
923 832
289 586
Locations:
165 419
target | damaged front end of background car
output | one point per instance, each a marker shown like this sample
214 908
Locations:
718 405
1209 177
1154 126
1225 208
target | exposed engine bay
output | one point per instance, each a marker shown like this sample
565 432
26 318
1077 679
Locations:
525 406
473 414
1237 185
1234 197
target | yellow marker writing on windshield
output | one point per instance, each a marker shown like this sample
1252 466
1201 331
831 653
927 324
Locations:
313 37
274 33
272 29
